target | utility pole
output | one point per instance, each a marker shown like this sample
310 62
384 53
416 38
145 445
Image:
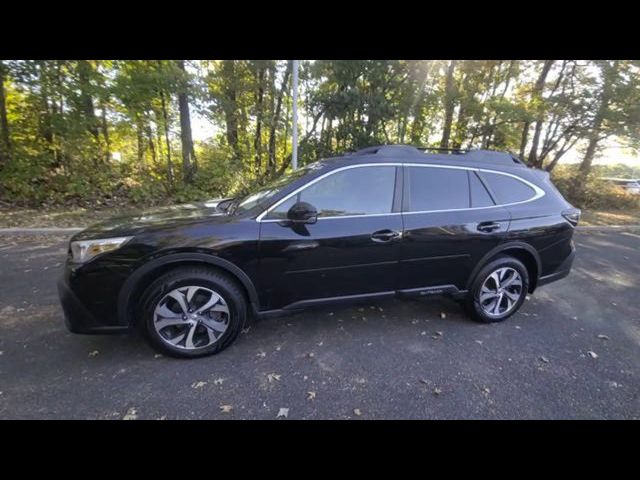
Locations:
294 156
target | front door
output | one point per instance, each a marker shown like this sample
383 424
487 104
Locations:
353 248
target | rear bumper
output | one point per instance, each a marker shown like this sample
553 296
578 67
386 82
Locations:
77 318
561 272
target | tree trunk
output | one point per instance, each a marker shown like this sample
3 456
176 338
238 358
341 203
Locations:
536 96
105 133
449 105
230 107
257 142
86 100
276 118
490 139
595 133
141 147
524 138
186 137
166 137
5 142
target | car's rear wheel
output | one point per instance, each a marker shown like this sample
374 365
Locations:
192 312
498 290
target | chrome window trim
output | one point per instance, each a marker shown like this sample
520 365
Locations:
539 193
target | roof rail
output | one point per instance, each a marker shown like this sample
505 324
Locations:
452 150
483 156
387 150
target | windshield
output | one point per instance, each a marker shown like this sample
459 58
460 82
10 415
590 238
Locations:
262 194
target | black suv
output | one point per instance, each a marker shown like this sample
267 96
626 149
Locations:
390 220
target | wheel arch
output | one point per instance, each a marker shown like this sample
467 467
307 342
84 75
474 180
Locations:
144 275
520 250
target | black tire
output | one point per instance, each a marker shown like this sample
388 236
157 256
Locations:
472 302
200 277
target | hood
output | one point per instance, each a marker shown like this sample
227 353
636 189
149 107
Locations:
154 219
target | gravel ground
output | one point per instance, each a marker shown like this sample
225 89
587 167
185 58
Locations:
572 352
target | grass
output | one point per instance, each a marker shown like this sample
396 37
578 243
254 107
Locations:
610 217
82 217
57 217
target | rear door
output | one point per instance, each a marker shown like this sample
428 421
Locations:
450 222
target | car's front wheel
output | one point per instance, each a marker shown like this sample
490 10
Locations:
192 312
498 290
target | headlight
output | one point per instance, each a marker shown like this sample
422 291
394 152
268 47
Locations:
84 250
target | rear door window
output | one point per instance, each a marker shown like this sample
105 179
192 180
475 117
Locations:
434 188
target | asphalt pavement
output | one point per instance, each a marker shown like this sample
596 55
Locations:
573 351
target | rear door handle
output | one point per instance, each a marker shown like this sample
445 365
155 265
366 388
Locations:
488 226
385 235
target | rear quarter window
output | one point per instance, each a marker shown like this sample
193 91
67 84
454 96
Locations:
508 189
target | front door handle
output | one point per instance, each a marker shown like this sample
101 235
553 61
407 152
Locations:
385 235
488 226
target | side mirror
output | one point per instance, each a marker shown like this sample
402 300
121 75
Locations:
302 212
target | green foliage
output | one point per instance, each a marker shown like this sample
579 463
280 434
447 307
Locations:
597 194
109 132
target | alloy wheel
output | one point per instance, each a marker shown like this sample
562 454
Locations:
191 317
500 292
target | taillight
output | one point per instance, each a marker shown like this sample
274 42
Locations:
572 215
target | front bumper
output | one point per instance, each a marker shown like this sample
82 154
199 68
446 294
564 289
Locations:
77 317
562 271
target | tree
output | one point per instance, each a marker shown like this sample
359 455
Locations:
615 110
5 143
449 104
189 164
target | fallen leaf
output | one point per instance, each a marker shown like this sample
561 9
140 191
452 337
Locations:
283 413
310 355
423 333
218 381
592 354
311 395
603 337
198 384
357 412
132 414
544 359
320 344
226 408
261 354
479 342
439 333
437 391
278 348
94 353
273 376
486 390
422 380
